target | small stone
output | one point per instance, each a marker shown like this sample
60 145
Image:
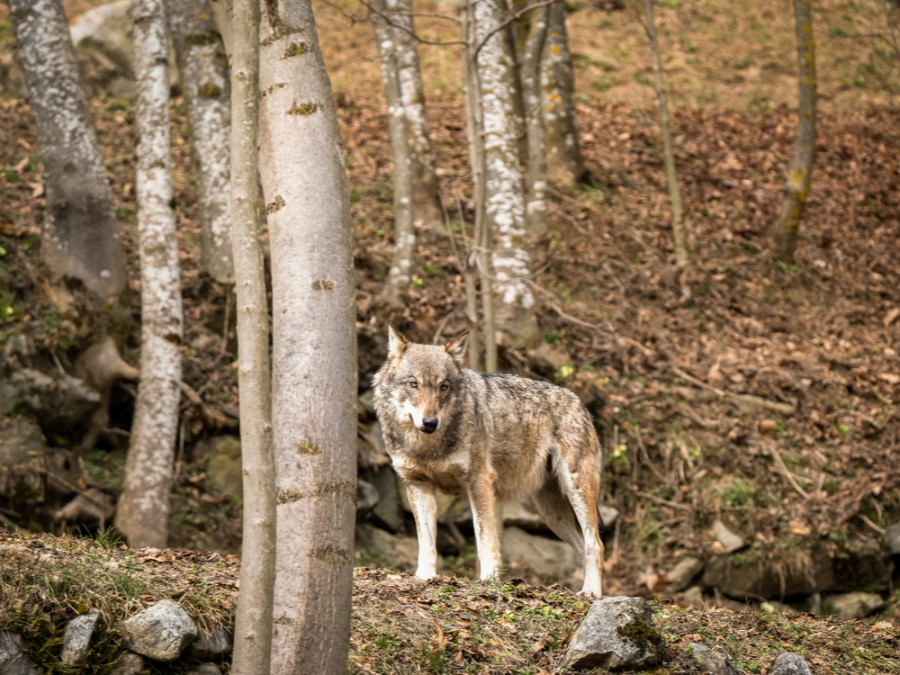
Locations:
683 573
790 664
160 632
727 538
892 534
77 638
210 645
712 661
129 664
13 659
616 634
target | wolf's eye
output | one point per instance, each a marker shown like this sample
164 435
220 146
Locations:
445 386
413 384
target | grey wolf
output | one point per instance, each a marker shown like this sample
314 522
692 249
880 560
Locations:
491 437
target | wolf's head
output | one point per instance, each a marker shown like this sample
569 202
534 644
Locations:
421 381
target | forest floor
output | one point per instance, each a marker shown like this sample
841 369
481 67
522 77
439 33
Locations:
768 400
402 625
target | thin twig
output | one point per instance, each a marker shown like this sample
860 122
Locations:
787 474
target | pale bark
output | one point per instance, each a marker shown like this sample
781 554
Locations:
681 255
558 81
253 619
404 233
204 80
426 204
504 196
79 238
797 189
143 510
314 345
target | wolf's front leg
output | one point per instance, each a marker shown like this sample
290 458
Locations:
484 518
424 508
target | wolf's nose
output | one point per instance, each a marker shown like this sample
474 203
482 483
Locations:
430 424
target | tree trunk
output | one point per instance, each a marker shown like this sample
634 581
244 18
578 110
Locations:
314 345
530 51
253 620
426 204
681 256
204 78
79 238
143 510
563 154
404 232
797 189
504 198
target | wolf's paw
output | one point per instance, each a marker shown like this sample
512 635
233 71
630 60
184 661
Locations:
426 573
590 594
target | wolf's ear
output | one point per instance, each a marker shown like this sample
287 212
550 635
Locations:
457 348
397 343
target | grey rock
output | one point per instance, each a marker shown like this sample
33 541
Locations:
61 400
731 541
608 515
856 605
77 638
129 664
549 559
389 509
712 661
892 534
205 669
160 632
366 496
683 573
401 552
210 645
224 465
20 438
13 659
790 664
616 634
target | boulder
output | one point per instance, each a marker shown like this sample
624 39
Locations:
856 605
401 552
616 634
549 559
160 632
129 664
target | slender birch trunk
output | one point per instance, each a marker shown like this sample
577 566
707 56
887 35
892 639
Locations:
681 255
79 239
314 345
404 233
472 271
504 196
426 196
530 52
143 509
253 620
204 78
797 189
563 153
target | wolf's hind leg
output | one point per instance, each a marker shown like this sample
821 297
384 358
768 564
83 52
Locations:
423 502
554 507
581 483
